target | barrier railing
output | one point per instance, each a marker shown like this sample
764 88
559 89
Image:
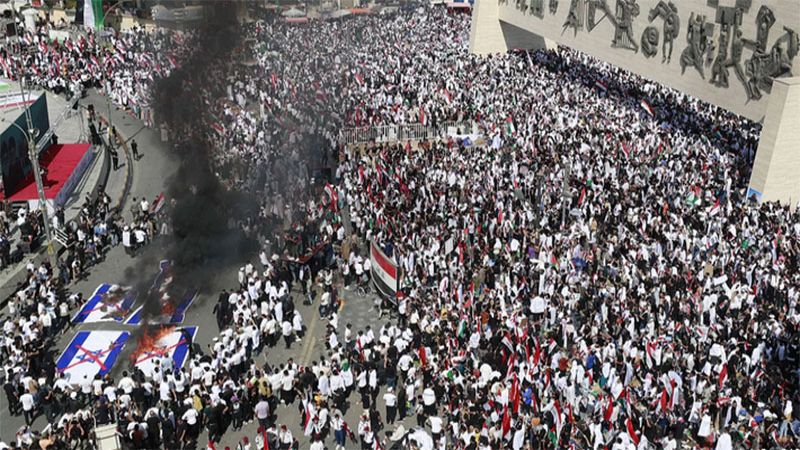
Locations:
401 133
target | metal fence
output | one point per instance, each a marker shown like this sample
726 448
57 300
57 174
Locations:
401 133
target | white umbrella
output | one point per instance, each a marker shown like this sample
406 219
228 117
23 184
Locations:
293 12
339 13
538 305
423 440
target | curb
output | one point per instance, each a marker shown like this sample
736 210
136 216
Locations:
100 186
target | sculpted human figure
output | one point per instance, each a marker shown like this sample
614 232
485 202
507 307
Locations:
671 28
697 37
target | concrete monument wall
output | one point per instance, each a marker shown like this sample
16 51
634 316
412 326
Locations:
727 52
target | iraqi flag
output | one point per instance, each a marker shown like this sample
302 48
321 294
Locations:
333 195
173 345
308 417
714 209
506 422
108 303
626 150
423 356
646 107
360 79
158 204
90 353
93 13
723 375
601 85
631 431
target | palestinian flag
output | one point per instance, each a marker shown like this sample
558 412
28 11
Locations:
510 128
93 13
462 327
693 199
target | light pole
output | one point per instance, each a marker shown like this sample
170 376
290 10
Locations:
105 74
30 137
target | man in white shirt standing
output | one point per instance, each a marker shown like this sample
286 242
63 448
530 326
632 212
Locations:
391 405
28 403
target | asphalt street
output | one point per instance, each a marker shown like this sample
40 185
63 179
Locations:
150 173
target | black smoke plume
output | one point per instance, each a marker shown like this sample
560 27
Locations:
201 211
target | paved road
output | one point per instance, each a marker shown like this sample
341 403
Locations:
149 173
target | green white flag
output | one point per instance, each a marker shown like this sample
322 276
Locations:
93 13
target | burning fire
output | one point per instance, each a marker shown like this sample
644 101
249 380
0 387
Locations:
148 341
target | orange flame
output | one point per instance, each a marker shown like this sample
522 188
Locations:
148 341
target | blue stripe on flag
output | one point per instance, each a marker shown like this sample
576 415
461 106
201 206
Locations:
69 353
179 356
111 357
180 311
135 318
92 303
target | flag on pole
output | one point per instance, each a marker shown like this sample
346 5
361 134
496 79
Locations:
693 198
647 108
506 422
93 13
714 209
723 375
631 431
510 128
423 357
333 195
626 150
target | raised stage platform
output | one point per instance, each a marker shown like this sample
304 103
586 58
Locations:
65 165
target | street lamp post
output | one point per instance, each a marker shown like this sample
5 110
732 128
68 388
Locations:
30 137
105 75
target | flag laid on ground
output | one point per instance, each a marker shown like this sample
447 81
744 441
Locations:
91 353
107 303
172 345
169 314
93 13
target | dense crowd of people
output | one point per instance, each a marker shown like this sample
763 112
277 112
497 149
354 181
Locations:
587 273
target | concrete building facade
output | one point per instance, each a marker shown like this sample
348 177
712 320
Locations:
741 55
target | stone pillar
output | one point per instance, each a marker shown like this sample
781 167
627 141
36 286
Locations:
776 171
30 15
488 34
